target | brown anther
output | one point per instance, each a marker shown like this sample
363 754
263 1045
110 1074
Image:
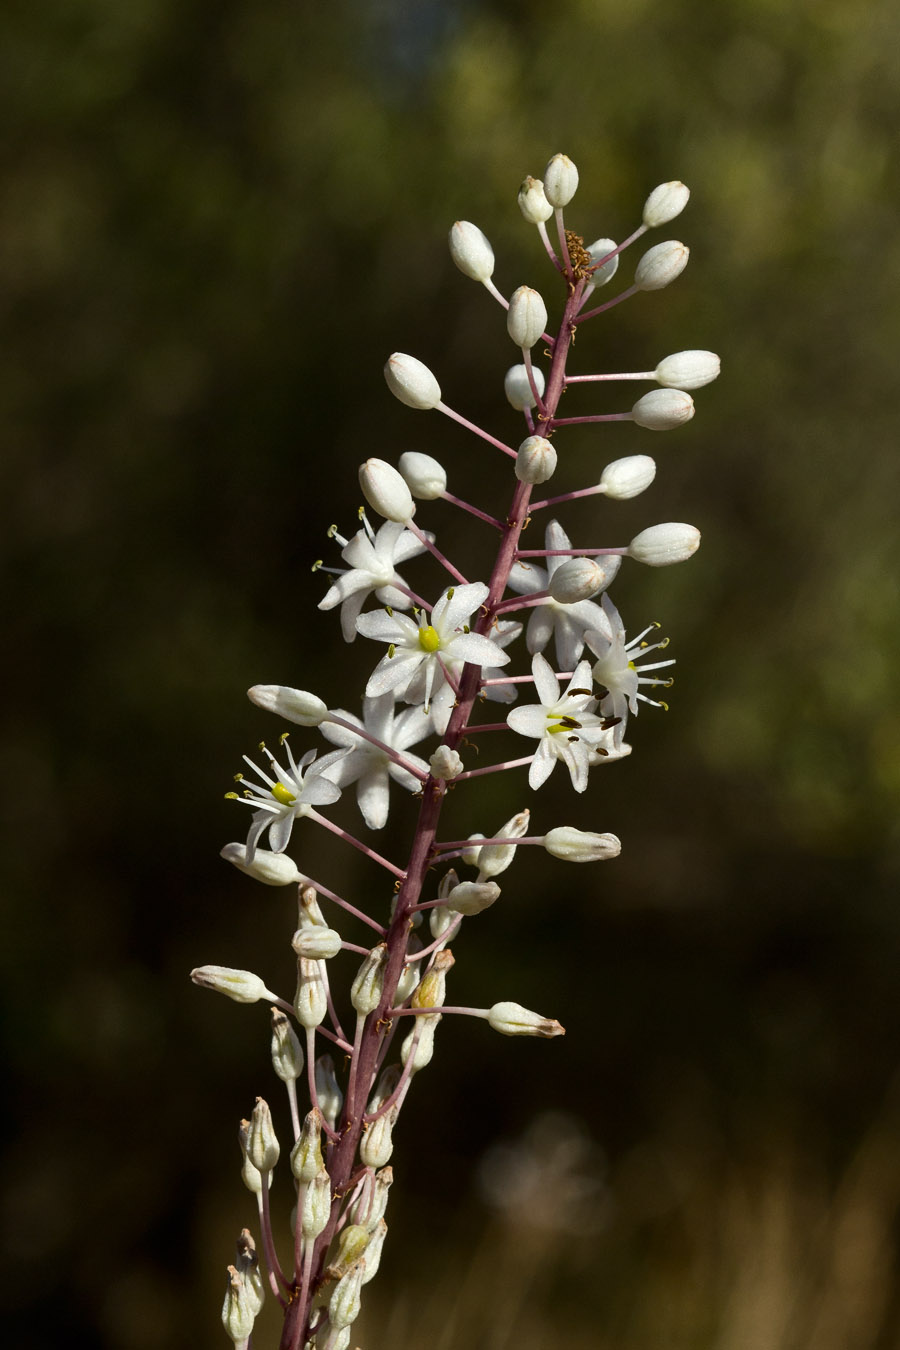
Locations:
579 256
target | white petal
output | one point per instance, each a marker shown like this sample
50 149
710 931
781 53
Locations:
478 650
381 626
528 720
280 832
542 765
525 578
452 611
540 628
393 672
545 682
373 796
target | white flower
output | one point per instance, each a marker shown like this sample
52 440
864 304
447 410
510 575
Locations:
443 695
412 667
616 668
286 797
568 623
373 559
565 725
368 766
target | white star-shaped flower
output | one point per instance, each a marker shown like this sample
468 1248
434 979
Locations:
373 559
567 623
444 695
412 667
566 725
368 766
281 800
616 667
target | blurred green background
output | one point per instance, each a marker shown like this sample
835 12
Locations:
217 221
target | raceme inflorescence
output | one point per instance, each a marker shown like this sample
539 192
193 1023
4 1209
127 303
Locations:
434 662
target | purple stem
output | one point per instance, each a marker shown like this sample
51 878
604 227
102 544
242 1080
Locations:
472 510
382 745
470 426
357 843
594 417
494 768
568 497
616 300
433 548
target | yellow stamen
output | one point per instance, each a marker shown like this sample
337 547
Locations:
429 639
282 795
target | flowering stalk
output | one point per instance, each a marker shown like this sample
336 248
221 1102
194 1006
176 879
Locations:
436 665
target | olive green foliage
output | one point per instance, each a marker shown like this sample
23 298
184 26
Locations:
217 220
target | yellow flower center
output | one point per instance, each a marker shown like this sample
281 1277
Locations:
281 794
429 639
562 724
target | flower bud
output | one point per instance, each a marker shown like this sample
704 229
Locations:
250 1173
316 1206
352 1243
373 1251
526 318
688 370
665 203
273 869
411 381
471 897
247 1264
663 409
517 388
343 1306
263 1149
578 579
333 1338
471 251
533 201
625 478
294 705
492 859
424 476
660 545
420 1043
386 1086
412 973
660 265
328 1091
445 763
287 1054
536 460
440 919
601 248
377 1144
581 845
237 1311
385 490
560 180
316 943
241 986
306 1155
311 998
511 1019
365 991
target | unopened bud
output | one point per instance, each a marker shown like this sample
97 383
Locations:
660 265
445 763
420 1043
328 1091
287 1053
492 859
263 1149
578 579
352 1242
663 409
688 370
411 381
581 845
306 1155
601 248
665 203
411 973
517 388
365 991
316 943
385 490
533 201
425 477
274 869
471 897
471 251
311 998
536 460
250 1173
316 1206
242 986
294 705
661 545
526 318
511 1019
560 180
343 1306
237 1311
627 477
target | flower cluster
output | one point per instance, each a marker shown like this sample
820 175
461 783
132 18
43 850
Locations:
435 659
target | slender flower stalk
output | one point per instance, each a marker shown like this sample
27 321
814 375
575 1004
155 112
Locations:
433 668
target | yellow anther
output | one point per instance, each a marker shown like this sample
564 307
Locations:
261 746
283 737
281 794
391 650
331 531
664 706
429 639
316 565
239 778
231 797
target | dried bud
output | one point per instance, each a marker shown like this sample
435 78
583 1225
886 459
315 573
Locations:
377 1144
432 991
343 1306
471 897
533 201
411 381
306 1155
311 998
287 1053
560 180
625 478
316 1206
309 914
274 869
526 318
492 859
237 1311
316 943
370 1204
365 991
688 370
536 460
420 1042
445 763
294 705
600 249
665 203
263 1149
328 1091
517 387
663 409
250 1173
373 1251
242 986
471 251
661 545
386 491
352 1242
660 265
425 477
581 845
511 1019
247 1264
580 578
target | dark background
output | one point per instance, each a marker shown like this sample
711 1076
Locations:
217 221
